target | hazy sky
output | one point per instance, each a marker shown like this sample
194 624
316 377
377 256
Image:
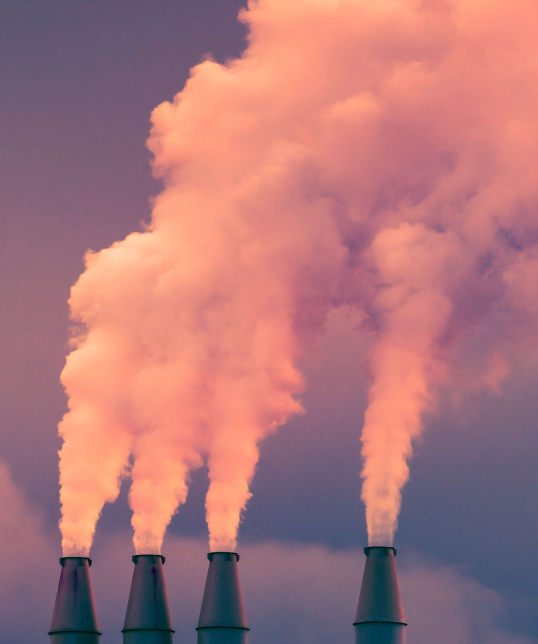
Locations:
79 81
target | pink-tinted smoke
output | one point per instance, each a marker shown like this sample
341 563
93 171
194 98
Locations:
376 155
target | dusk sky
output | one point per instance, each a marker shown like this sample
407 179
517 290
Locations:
80 81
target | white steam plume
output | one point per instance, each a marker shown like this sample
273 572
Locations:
379 155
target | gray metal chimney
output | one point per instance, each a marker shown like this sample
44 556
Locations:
380 618
222 617
74 620
148 617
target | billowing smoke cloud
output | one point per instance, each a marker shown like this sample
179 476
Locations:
375 155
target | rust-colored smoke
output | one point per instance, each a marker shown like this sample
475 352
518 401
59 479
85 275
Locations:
376 155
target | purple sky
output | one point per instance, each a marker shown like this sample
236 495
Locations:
79 82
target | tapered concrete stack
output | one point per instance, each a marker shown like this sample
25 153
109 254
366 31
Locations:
222 617
74 620
148 617
380 618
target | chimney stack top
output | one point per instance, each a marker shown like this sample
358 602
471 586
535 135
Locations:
379 551
228 556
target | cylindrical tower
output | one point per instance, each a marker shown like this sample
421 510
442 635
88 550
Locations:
74 620
380 617
147 620
222 617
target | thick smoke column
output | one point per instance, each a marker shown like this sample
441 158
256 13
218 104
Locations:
375 155
413 264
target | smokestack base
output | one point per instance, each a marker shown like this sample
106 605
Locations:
379 633
74 637
74 620
141 636
222 635
222 616
380 617
147 620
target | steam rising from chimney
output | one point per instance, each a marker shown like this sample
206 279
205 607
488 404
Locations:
375 155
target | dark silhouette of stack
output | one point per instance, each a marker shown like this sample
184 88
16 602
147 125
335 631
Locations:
380 618
74 620
147 620
222 617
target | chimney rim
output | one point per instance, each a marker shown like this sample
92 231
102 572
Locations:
379 621
64 559
368 548
135 557
73 630
236 628
152 630
210 555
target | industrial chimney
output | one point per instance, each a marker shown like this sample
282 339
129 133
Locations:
74 620
222 617
380 618
148 617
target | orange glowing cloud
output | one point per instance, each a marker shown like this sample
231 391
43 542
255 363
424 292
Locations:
375 155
